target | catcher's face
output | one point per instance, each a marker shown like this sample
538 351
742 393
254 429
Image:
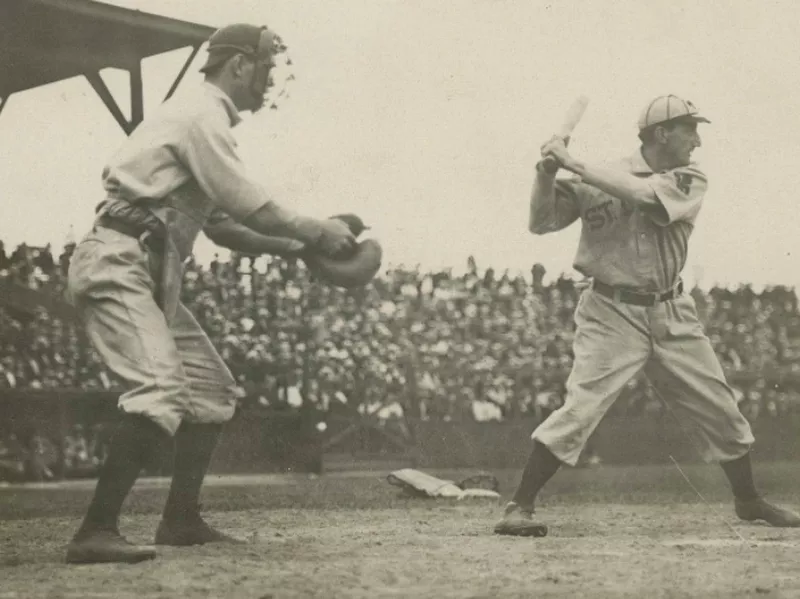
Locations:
264 75
253 81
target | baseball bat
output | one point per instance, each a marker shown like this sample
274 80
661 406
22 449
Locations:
571 119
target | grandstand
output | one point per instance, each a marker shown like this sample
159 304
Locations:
412 347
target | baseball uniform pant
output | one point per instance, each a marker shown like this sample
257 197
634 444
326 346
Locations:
613 343
173 369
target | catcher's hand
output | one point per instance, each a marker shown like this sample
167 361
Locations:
336 238
355 268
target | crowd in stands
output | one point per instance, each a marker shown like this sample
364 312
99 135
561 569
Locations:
481 344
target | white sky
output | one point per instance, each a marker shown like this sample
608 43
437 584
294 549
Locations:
426 118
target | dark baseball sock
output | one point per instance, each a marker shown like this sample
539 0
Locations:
740 476
194 446
134 442
541 467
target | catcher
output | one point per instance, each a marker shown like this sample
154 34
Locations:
179 174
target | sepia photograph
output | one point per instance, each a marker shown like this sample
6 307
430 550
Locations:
399 298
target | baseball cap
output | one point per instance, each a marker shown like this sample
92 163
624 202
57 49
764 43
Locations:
241 38
669 108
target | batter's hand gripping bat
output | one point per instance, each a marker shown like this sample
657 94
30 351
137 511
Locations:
571 119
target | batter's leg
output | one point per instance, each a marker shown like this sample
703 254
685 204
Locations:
611 346
688 376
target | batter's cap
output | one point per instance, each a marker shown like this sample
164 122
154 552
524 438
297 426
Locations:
241 38
669 108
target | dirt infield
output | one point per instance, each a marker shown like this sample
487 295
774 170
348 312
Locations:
368 542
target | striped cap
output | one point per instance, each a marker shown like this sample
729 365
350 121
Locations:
668 108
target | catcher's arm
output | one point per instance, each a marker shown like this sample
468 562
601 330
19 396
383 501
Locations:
226 232
356 268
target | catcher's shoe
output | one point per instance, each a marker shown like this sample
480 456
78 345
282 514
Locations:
518 521
760 509
193 531
106 546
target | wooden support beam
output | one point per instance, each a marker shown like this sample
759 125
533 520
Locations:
96 81
182 72
137 96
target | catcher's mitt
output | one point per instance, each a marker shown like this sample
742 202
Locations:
354 270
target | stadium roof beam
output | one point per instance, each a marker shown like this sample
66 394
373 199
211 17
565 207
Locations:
44 41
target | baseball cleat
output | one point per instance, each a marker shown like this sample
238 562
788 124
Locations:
190 532
760 509
519 522
106 546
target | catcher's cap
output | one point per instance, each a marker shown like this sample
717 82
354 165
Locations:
252 40
669 108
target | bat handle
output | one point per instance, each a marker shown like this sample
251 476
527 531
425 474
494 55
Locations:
549 164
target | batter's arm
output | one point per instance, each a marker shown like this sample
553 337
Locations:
553 205
617 183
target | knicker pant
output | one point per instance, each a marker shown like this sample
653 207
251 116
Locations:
173 369
613 343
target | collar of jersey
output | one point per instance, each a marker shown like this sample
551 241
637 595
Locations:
227 103
638 165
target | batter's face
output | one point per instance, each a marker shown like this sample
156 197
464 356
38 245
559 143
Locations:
679 142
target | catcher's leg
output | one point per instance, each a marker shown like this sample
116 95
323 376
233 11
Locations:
212 403
111 287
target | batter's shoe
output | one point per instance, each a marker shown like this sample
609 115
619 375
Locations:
760 509
106 546
194 531
518 522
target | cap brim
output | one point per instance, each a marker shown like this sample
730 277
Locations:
215 58
693 118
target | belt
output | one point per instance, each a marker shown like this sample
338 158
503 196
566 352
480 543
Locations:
140 232
636 298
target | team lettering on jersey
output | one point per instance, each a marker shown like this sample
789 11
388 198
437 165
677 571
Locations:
599 215
606 212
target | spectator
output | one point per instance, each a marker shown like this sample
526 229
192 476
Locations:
480 345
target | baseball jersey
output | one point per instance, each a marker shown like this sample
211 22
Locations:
182 163
622 244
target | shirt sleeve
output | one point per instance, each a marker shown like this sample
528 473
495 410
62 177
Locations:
680 194
209 152
554 204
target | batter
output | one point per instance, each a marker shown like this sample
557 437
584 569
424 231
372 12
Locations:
637 216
